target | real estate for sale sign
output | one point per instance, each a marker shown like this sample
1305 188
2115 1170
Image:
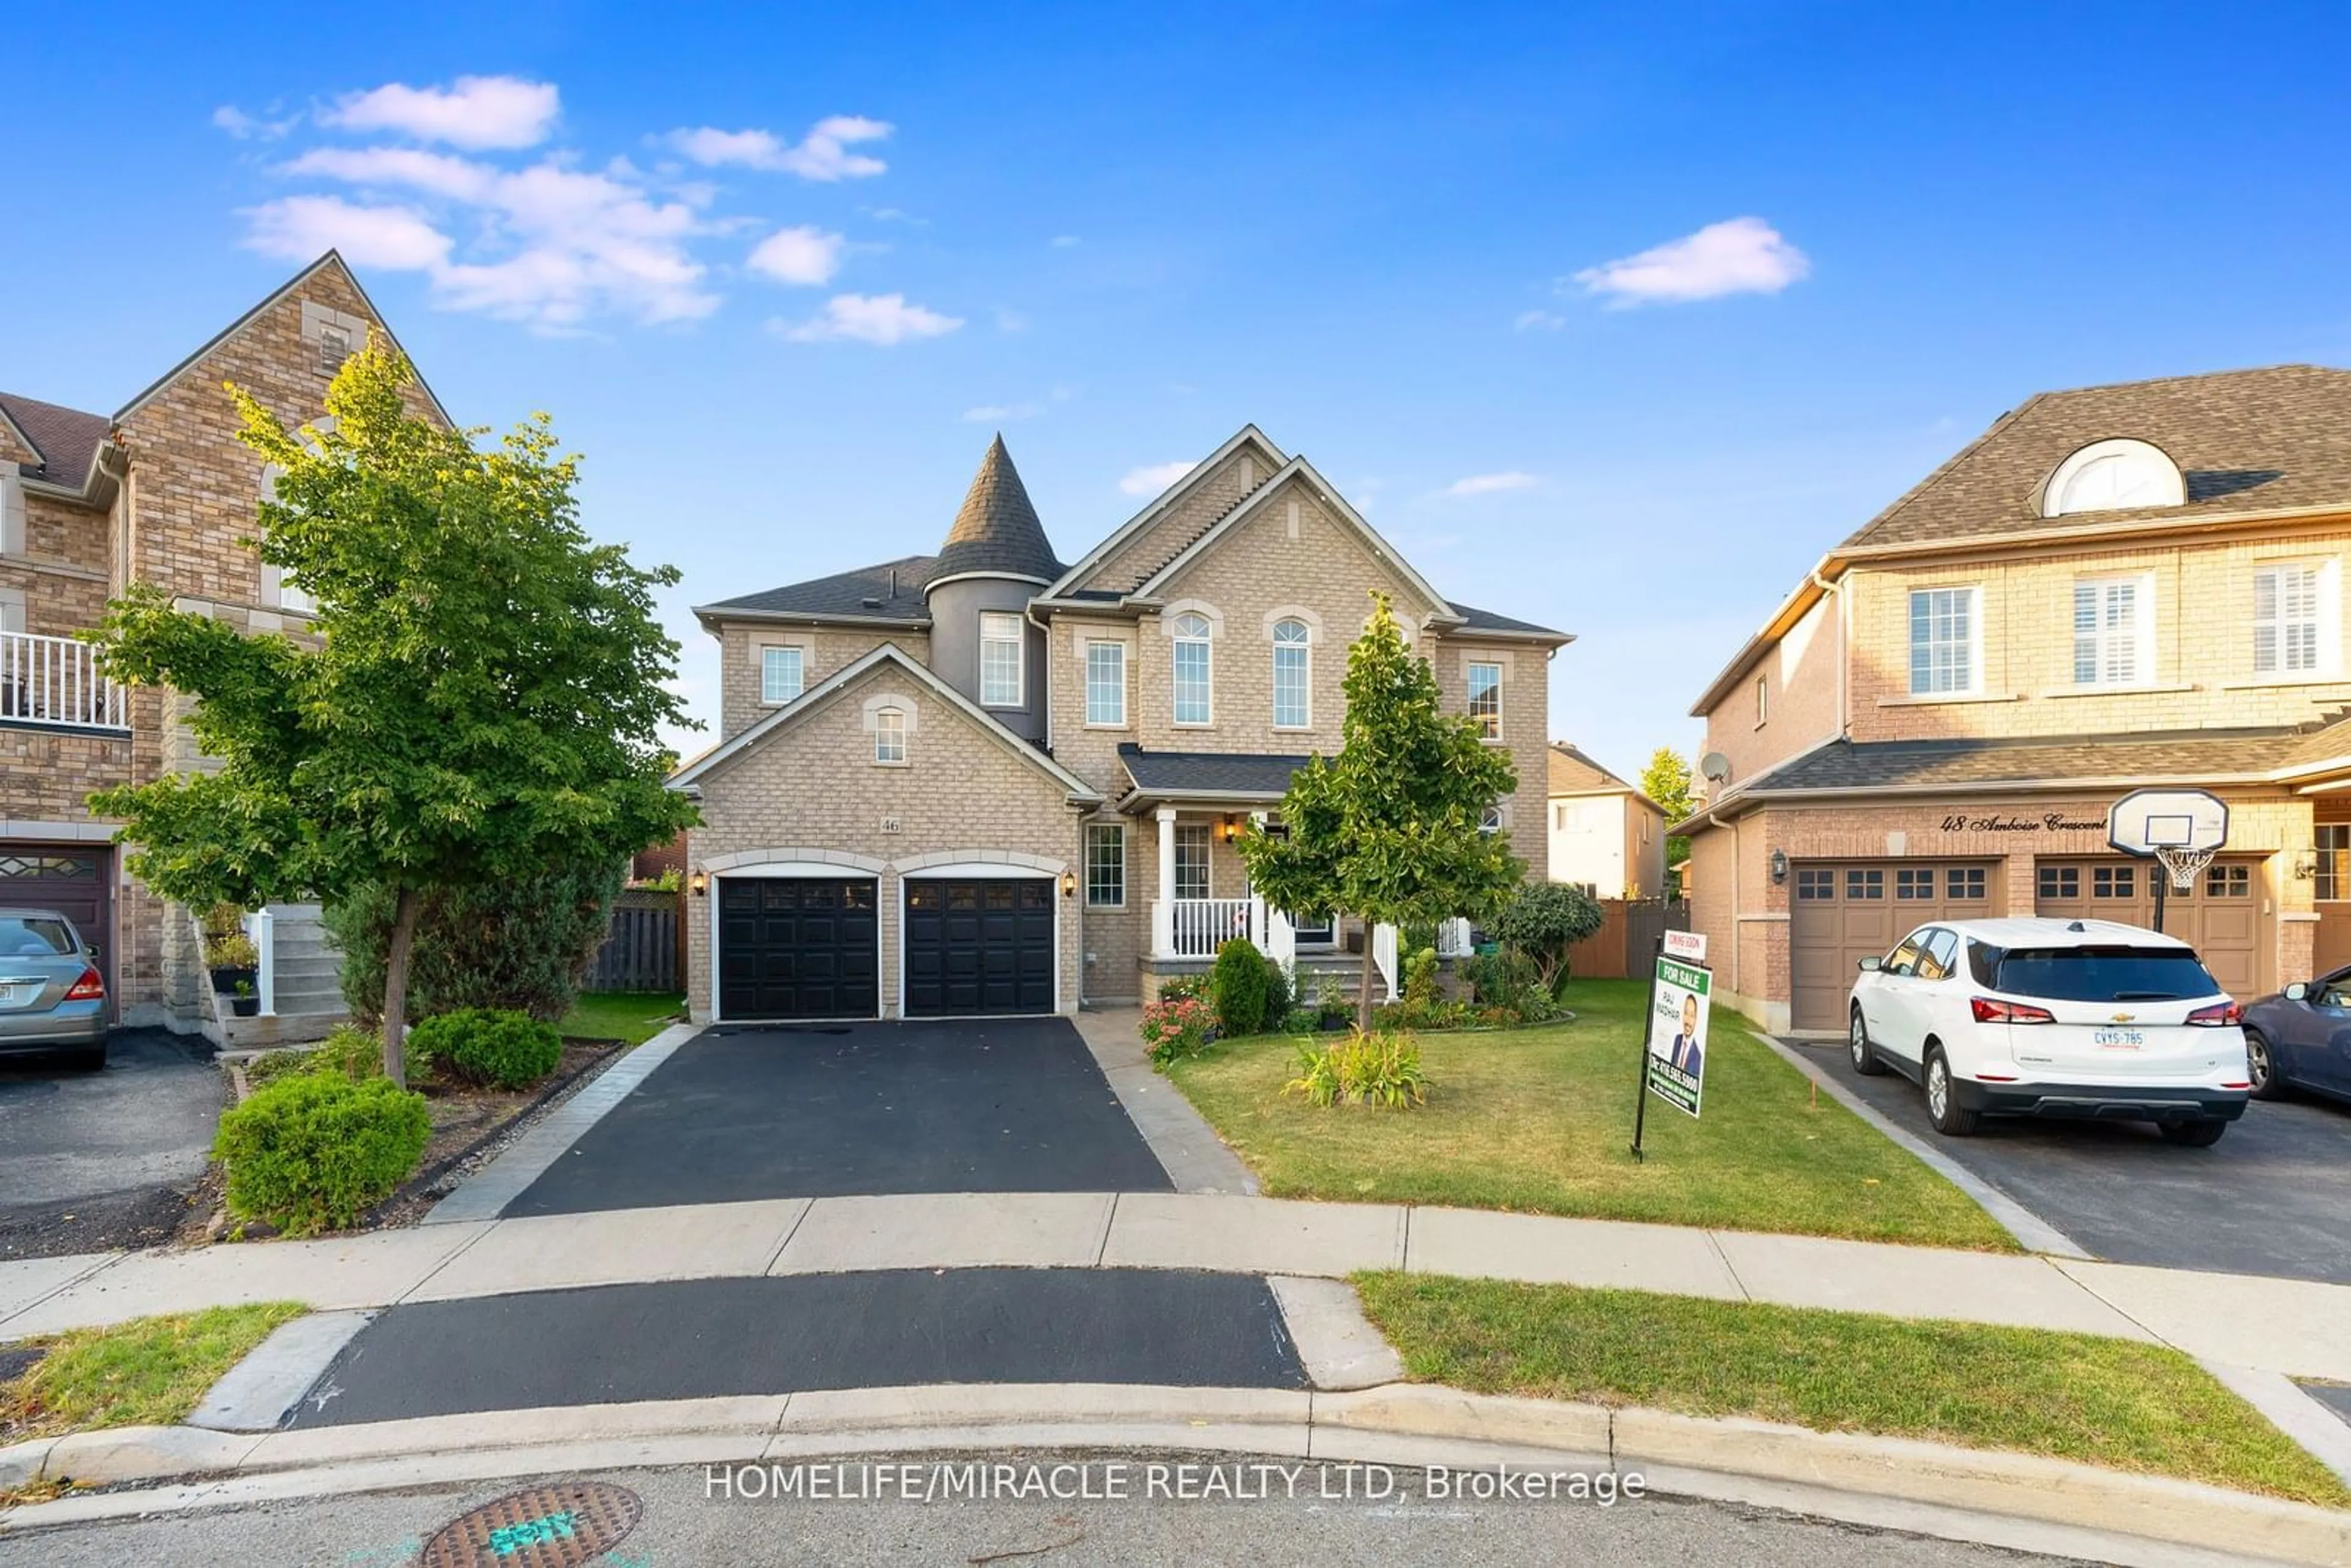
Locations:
1678 1003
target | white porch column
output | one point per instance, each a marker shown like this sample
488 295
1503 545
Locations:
1163 907
1261 932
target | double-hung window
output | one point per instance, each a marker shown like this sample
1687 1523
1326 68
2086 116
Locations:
1191 669
2288 639
1944 660
889 737
2110 631
1106 683
1105 864
1000 659
1486 699
781 675
1293 706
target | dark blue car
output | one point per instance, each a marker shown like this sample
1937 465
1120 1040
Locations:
2300 1038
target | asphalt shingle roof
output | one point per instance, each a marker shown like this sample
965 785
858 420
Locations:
1237 773
1486 621
2181 754
66 438
890 591
2243 440
997 528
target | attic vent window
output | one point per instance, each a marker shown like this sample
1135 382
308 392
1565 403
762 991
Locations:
334 348
333 335
2111 476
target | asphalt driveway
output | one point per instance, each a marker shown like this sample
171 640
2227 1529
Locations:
825 1111
2273 1197
93 1160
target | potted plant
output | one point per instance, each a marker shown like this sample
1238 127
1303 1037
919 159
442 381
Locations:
235 964
244 1004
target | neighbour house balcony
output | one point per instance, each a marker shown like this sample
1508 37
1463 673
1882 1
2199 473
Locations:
54 682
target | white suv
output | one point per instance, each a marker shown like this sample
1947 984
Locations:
2053 1017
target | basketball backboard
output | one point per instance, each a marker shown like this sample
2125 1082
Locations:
2148 820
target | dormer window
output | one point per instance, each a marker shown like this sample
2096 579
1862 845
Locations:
2113 476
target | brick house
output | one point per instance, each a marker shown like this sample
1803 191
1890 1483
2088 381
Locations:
1604 836
985 781
159 491
2111 588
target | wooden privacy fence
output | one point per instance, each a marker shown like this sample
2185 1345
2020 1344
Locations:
1627 939
646 949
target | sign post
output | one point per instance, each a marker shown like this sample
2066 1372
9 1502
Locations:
1673 1036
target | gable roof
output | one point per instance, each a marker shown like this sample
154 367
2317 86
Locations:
809 701
330 259
891 592
1066 584
66 439
997 532
1573 772
1205 774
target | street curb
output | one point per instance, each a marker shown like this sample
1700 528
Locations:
1831 1474
2032 1233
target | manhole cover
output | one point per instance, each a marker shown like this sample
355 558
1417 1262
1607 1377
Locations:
542 1526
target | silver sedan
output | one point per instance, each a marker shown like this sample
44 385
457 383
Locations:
52 997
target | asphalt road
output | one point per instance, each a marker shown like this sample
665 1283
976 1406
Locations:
825 1111
2273 1197
698 1338
2336 1396
680 1527
89 1160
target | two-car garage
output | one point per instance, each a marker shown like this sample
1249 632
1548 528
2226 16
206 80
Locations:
812 947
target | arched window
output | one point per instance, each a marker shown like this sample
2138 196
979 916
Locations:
1192 683
1293 703
2110 476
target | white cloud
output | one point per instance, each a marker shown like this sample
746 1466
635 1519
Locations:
477 112
251 127
1153 477
438 174
1539 321
1737 256
1488 484
822 154
804 254
298 227
881 319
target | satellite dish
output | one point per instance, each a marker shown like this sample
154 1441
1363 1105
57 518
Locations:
1714 765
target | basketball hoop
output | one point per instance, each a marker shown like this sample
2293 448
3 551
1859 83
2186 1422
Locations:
2184 863
2180 830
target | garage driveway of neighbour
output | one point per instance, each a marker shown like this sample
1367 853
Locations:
2273 1197
94 1160
749 1112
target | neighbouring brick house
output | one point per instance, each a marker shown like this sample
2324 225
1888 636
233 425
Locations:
983 782
161 492
2111 588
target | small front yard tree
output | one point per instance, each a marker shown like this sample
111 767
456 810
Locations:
1543 920
482 704
1389 829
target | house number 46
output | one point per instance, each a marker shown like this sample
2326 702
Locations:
890 824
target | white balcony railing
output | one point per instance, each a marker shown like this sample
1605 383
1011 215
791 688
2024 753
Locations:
1200 925
55 680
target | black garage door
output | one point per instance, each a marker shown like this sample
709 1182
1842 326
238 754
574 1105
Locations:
797 948
980 946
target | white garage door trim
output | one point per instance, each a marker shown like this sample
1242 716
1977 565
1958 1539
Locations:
829 871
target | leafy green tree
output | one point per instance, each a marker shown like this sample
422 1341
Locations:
1668 781
1543 920
1388 828
482 701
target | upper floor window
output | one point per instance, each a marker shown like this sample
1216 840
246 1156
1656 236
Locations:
1000 659
1293 705
2289 620
1943 630
781 675
1192 684
1106 683
2112 631
1490 820
1486 699
890 736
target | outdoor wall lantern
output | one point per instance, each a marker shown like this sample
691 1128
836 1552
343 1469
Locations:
2306 864
1069 884
1778 866
700 883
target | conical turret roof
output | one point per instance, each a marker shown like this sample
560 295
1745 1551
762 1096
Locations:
997 528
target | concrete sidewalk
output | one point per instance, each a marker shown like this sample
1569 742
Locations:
2291 1327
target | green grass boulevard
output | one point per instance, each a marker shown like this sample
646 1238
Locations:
2109 1402
630 1017
147 1371
1539 1121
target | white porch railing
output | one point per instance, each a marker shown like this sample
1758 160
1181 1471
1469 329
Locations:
1384 956
55 680
1198 926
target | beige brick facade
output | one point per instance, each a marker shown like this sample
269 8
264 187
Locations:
824 651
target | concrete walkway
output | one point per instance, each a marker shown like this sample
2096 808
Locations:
2291 1327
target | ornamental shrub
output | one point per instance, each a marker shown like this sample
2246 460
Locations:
499 1049
1420 975
1278 995
1543 920
1238 985
1380 1069
1302 1021
523 943
313 1151
1175 987
1177 1028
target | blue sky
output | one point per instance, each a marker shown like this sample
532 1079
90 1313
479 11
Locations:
779 273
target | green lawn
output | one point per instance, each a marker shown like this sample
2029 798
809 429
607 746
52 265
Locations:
147 1371
1539 1121
2111 1402
632 1016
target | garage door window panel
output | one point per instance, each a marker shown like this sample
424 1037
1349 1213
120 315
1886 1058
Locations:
1865 884
1814 886
1964 884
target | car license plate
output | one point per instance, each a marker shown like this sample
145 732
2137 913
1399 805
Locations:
2118 1038
18 996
